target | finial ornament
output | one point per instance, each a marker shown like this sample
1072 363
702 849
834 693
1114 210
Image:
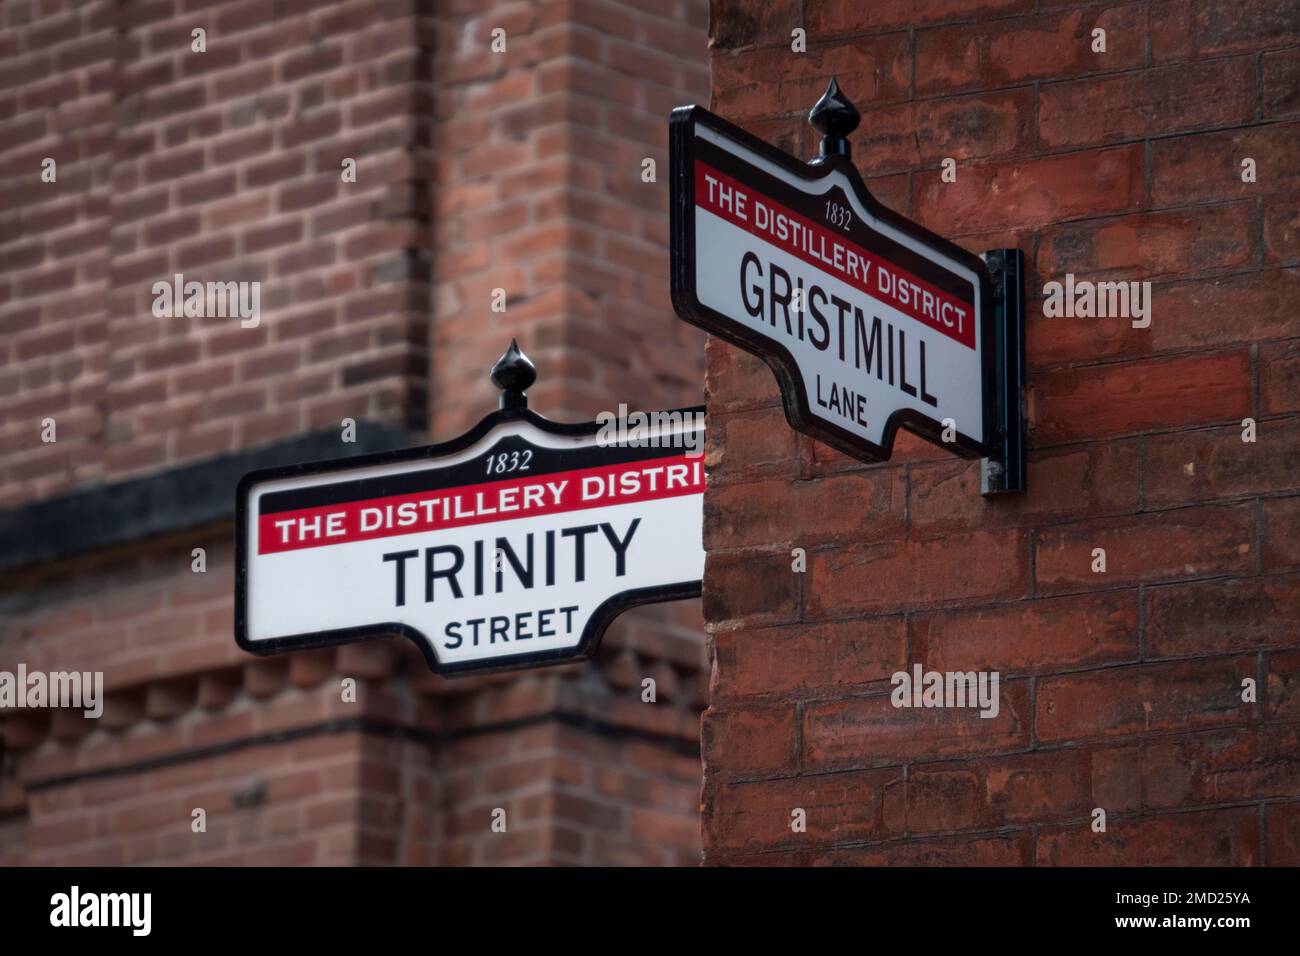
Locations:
514 374
835 118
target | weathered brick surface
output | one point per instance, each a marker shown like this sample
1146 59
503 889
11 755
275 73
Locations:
541 150
1121 689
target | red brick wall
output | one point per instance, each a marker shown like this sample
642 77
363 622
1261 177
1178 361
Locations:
541 151
1119 690
222 165
475 170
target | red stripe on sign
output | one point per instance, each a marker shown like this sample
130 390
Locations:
820 246
490 501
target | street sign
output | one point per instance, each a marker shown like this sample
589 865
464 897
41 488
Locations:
512 546
869 321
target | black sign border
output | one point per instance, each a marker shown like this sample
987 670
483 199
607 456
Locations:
601 616
681 140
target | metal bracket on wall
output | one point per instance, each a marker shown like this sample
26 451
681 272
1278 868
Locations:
1005 473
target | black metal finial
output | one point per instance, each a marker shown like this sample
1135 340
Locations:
514 374
835 118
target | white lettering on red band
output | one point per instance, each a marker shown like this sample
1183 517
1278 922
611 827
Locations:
574 490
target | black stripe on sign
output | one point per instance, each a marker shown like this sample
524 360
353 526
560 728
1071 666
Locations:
544 461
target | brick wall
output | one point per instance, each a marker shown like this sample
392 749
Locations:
1120 690
222 166
519 170
541 150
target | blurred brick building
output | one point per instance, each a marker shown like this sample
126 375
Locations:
476 170
1121 690
521 171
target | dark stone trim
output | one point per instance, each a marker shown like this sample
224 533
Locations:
370 727
183 497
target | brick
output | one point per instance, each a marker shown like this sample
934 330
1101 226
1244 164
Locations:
1222 617
1189 313
1098 479
274 170
248 79
806 512
205 252
1106 401
164 231
828 18
895 574
1012 52
893 192
165 701
314 127
872 70
196 191
1222 767
1282 232
1030 192
1171 30
1145 103
1211 838
1030 637
995 792
265 678
754 586
1184 467
799 658
750 816
749 739
872 732
736 379
1282 824
1282 685
1006 849
1279 377
1224 27
216 689
240 147
1280 546
751 443
1117 777
275 234
986 125
1207 167
1157 546
823 460
1149 245
315 60
1058 340
1280 83
1147 698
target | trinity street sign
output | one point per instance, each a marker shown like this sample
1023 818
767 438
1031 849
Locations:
511 546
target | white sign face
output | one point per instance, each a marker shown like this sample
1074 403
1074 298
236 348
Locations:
869 321
514 546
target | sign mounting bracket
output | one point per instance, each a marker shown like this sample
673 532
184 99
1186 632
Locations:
1004 472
